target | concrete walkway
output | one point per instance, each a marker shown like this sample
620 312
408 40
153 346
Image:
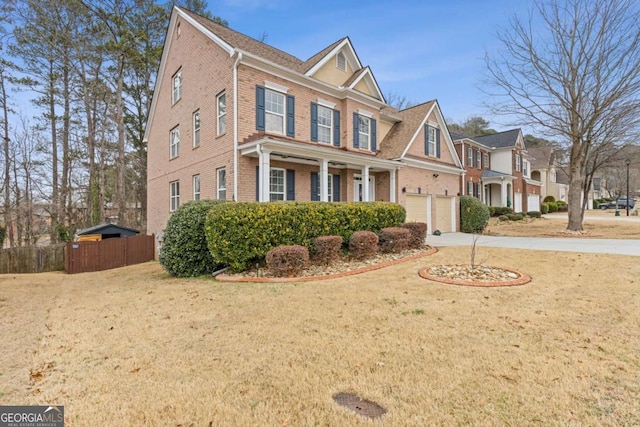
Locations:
564 244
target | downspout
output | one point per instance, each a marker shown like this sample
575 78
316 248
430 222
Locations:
235 126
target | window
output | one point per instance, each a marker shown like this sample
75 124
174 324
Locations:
174 195
432 141
469 157
324 124
274 111
222 184
517 162
364 124
177 87
479 160
196 128
174 147
525 167
196 187
277 190
470 188
341 62
222 113
486 160
329 188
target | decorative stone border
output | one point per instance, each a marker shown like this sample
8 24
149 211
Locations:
225 278
521 280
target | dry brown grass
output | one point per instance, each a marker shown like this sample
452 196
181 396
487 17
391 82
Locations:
597 224
135 347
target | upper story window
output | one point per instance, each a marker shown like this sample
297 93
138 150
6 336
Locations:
196 187
469 157
341 62
553 176
486 160
364 132
432 140
525 167
274 111
222 183
177 87
174 195
432 143
196 128
325 126
518 167
325 123
277 185
174 142
470 188
222 113
479 160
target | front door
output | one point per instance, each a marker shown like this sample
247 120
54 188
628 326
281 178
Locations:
357 188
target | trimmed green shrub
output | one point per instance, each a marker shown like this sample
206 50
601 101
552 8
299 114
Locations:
544 208
503 218
499 210
287 261
184 251
418 232
327 249
553 207
241 234
394 239
474 215
363 244
561 203
515 217
563 208
534 214
549 199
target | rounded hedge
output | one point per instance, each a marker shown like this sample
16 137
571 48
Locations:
553 207
549 199
184 251
474 215
544 208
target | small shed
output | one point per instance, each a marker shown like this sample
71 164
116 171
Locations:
106 231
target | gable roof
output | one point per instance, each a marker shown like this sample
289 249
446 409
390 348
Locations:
504 139
108 228
315 59
542 156
401 134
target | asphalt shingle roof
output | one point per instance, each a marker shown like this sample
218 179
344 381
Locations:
488 173
499 140
541 157
392 146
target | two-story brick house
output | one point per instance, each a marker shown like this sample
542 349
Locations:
234 118
498 170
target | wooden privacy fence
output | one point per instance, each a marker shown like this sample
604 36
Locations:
32 259
83 257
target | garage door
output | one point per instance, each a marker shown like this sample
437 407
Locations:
533 202
517 206
416 207
444 214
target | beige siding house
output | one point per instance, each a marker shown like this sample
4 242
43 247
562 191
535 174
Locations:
233 118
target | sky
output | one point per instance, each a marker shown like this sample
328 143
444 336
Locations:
421 50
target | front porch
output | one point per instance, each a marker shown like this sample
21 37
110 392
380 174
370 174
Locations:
497 188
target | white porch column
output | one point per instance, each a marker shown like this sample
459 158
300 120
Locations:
365 184
392 183
265 167
503 193
324 179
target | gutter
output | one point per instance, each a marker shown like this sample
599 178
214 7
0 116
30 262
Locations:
235 126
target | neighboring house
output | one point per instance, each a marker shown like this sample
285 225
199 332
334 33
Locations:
546 168
233 118
504 173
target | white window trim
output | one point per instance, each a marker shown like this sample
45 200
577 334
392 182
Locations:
284 184
196 131
469 157
365 113
479 160
326 103
218 115
174 195
485 160
331 124
196 186
469 188
218 180
283 115
432 143
175 98
518 163
276 87
174 142
360 133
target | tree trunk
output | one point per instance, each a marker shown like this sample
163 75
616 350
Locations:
54 154
7 164
120 166
576 181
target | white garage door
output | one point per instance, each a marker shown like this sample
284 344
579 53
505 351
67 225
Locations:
416 206
533 202
444 214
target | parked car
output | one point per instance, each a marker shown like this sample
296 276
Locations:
622 204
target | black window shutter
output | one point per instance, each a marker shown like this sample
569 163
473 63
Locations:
336 128
314 187
291 184
438 143
314 122
336 188
259 108
291 116
257 183
356 143
374 136
426 139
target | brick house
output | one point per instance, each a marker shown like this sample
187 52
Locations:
546 168
498 170
233 118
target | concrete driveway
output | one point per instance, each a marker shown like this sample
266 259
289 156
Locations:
564 244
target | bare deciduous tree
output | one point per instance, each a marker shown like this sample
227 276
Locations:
572 69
